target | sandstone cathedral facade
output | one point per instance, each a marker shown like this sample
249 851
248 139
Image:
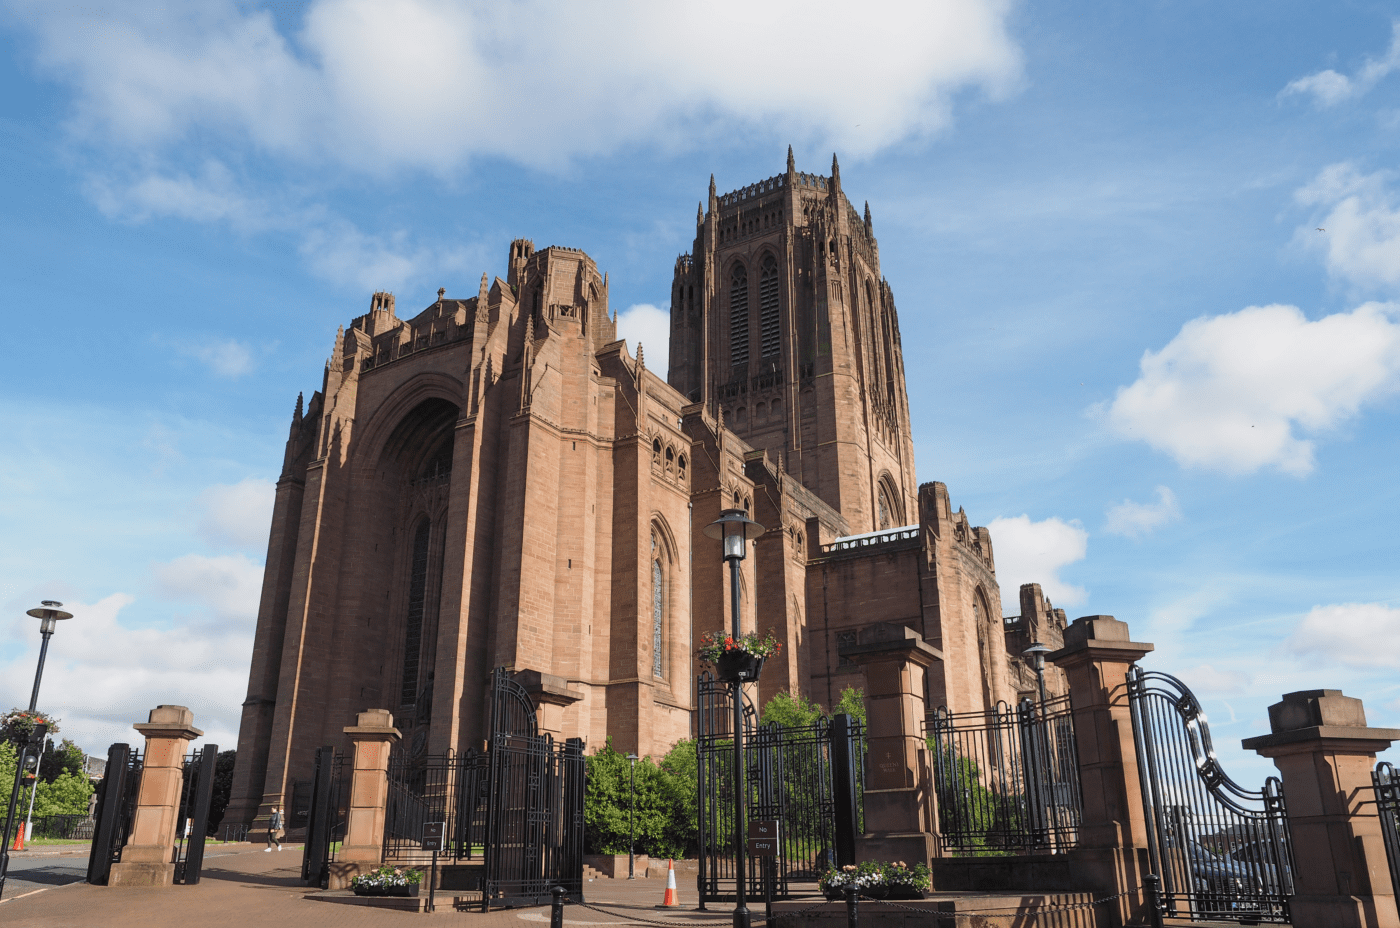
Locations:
497 481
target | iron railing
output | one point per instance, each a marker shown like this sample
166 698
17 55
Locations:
1387 785
63 827
809 779
1223 852
1007 780
326 815
192 814
116 805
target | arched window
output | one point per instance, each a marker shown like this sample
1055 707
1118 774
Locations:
739 316
888 512
413 627
658 607
769 330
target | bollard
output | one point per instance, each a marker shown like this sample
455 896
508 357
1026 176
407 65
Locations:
851 904
1151 891
556 909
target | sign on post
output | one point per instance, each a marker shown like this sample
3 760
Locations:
763 838
432 835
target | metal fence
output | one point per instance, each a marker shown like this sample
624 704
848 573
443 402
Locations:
1387 785
1223 852
64 827
192 814
809 779
1007 780
326 815
116 805
517 807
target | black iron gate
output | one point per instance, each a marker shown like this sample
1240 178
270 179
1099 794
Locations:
325 821
1387 784
1223 852
807 779
1007 780
518 807
116 804
534 813
192 818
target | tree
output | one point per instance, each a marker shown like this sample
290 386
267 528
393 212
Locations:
65 757
852 703
790 711
223 787
66 795
664 818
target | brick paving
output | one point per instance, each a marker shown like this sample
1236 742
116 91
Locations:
247 887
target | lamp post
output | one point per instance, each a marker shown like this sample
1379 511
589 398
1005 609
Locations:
632 822
1036 652
734 528
1041 762
49 614
34 788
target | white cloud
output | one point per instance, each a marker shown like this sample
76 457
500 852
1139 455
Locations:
227 585
1354 634
1228 391
225 357
1134 519
379 85
213 195
237 515
1206 680
1328 88
649 326
338 251
1034 552
1361 226
106 670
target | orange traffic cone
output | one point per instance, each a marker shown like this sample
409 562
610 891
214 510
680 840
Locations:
671 899
19 838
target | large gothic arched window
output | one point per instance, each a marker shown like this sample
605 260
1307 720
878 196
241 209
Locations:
768 325
739 316
658 608
413 627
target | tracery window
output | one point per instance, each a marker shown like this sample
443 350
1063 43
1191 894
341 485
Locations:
658 607
739 316
769 330
413 627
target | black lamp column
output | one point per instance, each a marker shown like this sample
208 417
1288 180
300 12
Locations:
735 529
48 615
632 822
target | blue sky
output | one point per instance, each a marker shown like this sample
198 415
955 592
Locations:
1143 254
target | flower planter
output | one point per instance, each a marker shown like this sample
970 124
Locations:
738 667
409 891
892 891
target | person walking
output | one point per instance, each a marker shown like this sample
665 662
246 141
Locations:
274 830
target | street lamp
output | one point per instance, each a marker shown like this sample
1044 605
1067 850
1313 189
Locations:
1036 652
49 615
632 822
734 528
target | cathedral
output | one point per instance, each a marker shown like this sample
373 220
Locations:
498 481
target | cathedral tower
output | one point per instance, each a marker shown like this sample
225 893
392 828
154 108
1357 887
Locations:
781 319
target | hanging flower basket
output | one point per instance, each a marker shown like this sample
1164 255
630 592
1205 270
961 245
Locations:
738 659
738 666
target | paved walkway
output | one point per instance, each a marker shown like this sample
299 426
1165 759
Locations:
242 886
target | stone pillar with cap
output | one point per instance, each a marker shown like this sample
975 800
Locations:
901 817
552 696
373 735
149 854
1325 752
1111 856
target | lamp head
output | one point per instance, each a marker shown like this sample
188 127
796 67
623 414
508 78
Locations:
734 528
633 758
1036 652
49 615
